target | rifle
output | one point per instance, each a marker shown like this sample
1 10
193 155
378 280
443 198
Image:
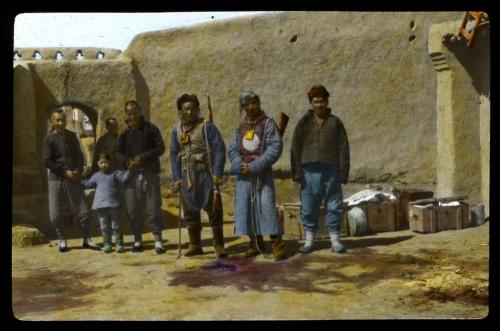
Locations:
282 123
217 204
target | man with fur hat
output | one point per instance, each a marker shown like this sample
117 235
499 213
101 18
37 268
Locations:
197 156
320 163
255 147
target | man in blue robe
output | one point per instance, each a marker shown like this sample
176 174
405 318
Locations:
256 145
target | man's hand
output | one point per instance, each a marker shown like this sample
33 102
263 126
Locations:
72 176
245 169
217 180
134 162
176 187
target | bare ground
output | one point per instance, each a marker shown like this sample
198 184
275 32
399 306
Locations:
392 275
388 275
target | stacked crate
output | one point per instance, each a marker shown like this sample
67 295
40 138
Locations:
428 216
406 196
381 216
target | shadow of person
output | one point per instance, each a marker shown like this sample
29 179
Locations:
372 241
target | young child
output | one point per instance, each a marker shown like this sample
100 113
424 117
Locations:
106 200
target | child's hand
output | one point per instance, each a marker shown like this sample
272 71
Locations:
245 169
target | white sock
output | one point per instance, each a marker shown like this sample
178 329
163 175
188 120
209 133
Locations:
334 237
138 244
62 243
158 244
310 237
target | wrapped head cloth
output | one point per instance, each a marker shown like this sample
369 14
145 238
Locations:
246 95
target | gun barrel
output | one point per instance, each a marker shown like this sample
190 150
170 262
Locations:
282 123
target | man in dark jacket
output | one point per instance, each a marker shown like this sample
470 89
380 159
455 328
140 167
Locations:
107 143
63 157
320 163
140 147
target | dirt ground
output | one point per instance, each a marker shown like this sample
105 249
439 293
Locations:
389 275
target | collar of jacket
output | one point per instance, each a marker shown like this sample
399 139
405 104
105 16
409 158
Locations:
143 122
259 118
311 111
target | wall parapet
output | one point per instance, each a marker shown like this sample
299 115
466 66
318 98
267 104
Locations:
64 53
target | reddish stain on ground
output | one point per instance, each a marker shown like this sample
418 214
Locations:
294 273
46 290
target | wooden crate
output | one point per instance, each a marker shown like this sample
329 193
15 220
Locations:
423 220
293 227
405 197
381 216
454 217
439 218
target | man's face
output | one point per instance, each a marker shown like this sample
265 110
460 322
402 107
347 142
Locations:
103 165
189 112
320 106
133 116
252 107
112 127
58 121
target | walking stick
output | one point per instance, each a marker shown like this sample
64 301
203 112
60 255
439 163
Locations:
179 224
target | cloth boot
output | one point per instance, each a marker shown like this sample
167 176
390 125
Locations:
337 246
307 248
278 248
106 239
119 244
194 242
255 247
218 241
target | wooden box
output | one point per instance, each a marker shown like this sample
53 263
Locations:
439 218
293 227
423 220
453 217
381 216
405 197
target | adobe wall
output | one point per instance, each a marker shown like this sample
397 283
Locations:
463 112
375 64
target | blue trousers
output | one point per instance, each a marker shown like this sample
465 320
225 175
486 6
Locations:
109 218
320 184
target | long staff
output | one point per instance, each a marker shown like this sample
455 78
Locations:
179 224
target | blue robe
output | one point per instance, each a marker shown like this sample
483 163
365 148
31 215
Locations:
260 185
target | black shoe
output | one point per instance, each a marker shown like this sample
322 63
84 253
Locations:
93 247
63 249
136 249
306 249
160 250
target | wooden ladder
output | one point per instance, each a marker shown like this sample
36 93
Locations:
471 21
